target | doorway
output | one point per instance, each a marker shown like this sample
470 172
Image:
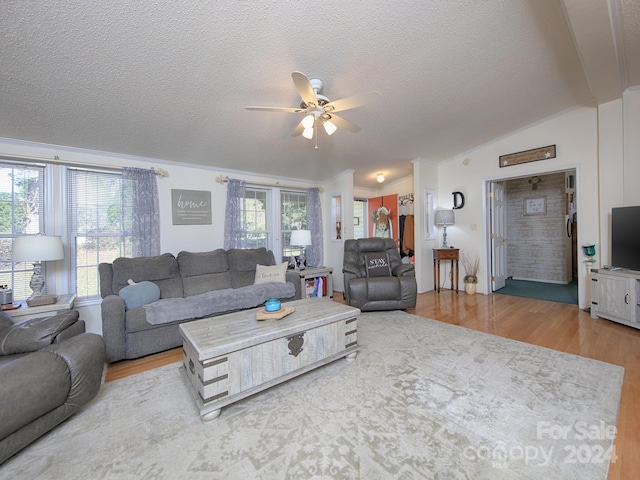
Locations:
533 236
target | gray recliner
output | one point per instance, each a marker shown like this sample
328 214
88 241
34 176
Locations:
375 277
49 369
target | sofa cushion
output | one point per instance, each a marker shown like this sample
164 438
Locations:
139 294
242 264
271 274
34 334
204 271
377 265
162 270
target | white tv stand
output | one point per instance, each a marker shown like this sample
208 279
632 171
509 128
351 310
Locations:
615 295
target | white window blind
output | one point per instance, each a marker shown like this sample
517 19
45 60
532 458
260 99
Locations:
96 226
21 213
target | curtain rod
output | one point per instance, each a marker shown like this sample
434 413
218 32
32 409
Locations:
221 179
161 173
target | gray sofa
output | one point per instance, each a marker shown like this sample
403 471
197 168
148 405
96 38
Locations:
375 277
49 369
192 285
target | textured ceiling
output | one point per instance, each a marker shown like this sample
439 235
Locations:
170 79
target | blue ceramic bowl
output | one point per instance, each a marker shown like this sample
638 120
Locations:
272 305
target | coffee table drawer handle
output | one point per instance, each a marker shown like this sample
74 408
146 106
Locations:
191 367
295 344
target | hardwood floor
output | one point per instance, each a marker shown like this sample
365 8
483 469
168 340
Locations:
553 325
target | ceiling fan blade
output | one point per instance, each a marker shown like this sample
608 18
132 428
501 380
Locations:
304 88
344 124
351 102
298 130
277 109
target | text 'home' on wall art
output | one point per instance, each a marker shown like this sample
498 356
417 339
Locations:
191 207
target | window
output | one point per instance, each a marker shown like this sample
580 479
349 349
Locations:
293 216
21 213
256 226
429 215
262 210
97 230
360 218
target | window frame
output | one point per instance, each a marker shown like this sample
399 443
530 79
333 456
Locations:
21 287
277 237
124 244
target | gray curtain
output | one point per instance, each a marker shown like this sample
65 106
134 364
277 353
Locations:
141 210
233 233
315 252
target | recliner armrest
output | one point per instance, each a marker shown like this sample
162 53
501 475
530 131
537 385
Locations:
84 354
404 269
113 332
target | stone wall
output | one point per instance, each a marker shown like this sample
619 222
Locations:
538 245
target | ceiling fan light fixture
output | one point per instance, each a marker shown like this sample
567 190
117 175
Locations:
308 121
308 133
329 127
380 177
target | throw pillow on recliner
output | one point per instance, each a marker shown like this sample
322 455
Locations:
377 265
32 335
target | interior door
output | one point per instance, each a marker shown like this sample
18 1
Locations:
498 214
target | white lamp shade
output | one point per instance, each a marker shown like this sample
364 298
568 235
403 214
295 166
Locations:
300 238
37 248
329 127
308 121
444 217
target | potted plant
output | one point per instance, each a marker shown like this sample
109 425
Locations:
471 265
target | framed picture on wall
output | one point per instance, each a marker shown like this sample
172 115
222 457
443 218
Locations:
535 206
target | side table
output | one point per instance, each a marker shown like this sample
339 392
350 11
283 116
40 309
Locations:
452 254
24 312
310 274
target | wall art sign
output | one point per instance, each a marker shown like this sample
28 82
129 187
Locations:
191 207
535 206
537 154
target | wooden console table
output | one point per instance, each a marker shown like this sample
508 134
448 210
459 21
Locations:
452 254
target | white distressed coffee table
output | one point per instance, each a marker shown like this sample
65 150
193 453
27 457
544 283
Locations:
229 357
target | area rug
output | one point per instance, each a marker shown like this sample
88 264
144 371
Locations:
423 400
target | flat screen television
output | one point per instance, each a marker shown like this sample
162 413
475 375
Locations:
625 237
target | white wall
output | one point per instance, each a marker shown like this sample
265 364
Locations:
631 118
575 134
334 249
425 178
610 175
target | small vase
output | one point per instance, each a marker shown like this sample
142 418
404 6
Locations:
470 288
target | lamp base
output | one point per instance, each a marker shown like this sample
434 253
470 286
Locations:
39 300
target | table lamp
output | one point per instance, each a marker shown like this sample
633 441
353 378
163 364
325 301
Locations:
300 238
37 249
444 217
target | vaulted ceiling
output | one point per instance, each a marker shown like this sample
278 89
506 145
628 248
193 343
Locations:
169 80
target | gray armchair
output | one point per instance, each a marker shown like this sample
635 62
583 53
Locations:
49 369
375 277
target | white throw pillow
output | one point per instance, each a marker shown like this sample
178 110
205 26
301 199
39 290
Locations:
271 274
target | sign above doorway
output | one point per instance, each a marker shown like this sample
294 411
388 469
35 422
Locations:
534 155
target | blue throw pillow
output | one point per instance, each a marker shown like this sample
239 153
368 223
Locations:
139 294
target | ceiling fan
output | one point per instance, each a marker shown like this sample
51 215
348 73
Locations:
318 109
